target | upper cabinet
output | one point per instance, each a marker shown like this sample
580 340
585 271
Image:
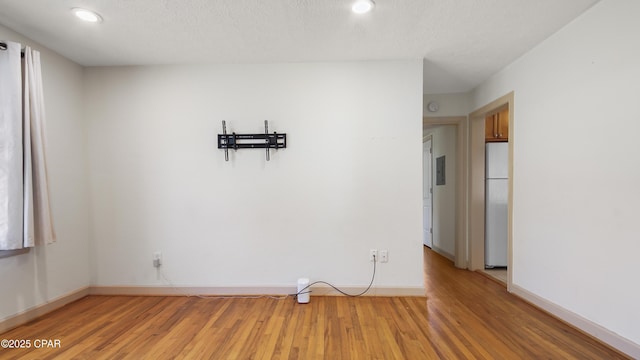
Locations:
496 126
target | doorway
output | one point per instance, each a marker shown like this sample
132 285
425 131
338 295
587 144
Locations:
477 140
456 184
427 191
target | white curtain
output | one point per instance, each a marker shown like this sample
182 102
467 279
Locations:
11 177
41 207
25 213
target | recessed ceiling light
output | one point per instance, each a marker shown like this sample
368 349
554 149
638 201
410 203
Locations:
363 6
87 15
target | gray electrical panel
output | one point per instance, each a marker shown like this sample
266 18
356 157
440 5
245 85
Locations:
440 178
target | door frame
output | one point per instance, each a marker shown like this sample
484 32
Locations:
424 140
476 189
461 244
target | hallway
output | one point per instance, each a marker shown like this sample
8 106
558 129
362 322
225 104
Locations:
477 318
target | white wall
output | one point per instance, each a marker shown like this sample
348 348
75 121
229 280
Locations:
444 196
49 272
456 104
577 166
350 179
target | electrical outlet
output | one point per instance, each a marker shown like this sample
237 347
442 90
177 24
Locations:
384 256
373 255
157 259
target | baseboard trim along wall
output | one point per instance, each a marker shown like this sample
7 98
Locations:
230 291
40 310
444 253
587 326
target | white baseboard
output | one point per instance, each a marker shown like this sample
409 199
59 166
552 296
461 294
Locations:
444 253
374 291
226 291
187 291
614 340
39 310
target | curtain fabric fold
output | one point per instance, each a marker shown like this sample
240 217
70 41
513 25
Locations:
41 213
25 211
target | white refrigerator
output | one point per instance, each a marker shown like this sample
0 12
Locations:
496 208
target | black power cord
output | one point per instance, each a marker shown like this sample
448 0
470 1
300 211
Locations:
302 291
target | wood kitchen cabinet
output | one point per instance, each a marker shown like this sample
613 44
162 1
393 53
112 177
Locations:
496 127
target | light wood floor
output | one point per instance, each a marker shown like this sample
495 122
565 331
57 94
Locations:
498 274
465 315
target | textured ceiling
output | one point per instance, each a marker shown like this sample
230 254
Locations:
463 41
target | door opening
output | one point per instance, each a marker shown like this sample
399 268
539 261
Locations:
479 121
427 193
448 219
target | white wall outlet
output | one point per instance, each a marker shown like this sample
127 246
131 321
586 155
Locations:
384 256
157 259
373 255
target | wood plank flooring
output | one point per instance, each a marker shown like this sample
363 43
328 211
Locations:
464 316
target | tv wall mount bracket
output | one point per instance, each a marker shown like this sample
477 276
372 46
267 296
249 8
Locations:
250 141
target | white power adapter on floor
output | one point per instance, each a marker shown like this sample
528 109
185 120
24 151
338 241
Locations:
303 291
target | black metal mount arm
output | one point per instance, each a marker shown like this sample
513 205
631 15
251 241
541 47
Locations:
251 141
